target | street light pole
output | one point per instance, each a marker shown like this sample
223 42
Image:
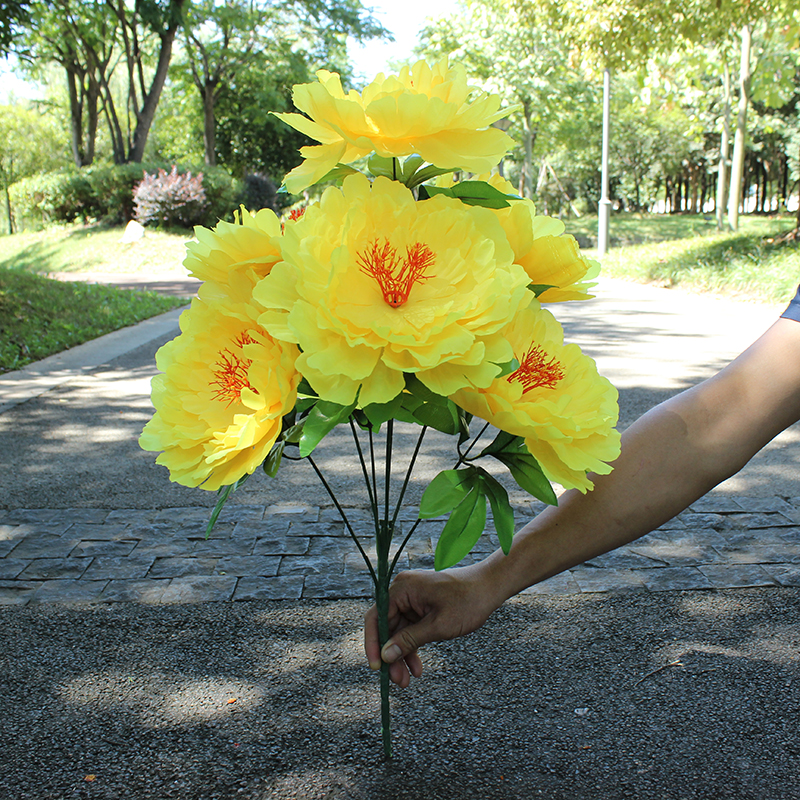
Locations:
604 209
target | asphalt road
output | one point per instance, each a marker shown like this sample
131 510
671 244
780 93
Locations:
76 445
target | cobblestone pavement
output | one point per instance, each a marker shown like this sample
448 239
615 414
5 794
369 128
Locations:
294 551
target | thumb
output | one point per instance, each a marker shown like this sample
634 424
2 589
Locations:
409 640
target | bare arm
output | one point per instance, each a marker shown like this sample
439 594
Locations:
671 456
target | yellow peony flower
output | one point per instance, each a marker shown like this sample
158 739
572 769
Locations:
375 284
550 257
556 401
430 111
248 247
226 385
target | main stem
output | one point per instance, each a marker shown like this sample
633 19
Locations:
384 541
385 529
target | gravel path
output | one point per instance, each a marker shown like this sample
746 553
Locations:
675 696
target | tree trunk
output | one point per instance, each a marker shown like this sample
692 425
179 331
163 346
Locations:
75 117
737 166
209 125
7 192
528 139
784 191
693 189
118 141
797 222
724 147
145 115
92 117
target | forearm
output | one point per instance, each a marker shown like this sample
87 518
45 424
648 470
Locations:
670 457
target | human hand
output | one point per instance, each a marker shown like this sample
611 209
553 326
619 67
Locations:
426 606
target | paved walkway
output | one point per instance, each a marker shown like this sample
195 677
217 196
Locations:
157 552
295 551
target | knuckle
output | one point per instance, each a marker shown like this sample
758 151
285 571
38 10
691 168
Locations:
408 641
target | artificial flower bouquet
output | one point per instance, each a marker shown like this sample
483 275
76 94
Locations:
407 292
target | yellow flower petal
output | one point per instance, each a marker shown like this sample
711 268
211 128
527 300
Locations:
249 246
374 282
544 251
219 404
427 110
556 401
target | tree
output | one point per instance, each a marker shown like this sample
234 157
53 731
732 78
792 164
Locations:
248 136
28 144
14 14
80 38
89 39
622 32
153 23
525 64
222 40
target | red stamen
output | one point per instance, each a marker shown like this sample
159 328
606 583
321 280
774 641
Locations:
230 375
381 261
296 213
536 371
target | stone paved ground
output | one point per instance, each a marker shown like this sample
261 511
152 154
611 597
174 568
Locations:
294 551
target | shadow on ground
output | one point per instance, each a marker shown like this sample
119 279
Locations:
676 695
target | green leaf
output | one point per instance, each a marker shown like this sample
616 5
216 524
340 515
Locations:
321 420
502 513
426 174
464 419
378 413
446 491
539 289
503 441
222 497
410 166
525 470
336 175
507 368
292 435
273 461
382 167
475 193
442 418
462 530
417 388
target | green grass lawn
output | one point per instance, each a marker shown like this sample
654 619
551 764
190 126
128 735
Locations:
40 317
81 249
688 251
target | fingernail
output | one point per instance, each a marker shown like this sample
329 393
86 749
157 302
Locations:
376 665
391 653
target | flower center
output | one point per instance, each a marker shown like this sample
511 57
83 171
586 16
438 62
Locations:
230 372
535 370
394 275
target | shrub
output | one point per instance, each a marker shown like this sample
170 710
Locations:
112 190
105 193
223 194
260 192
58 196
170 199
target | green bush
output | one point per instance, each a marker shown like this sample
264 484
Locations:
260 192
55 197
224 195
113 187
104 193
